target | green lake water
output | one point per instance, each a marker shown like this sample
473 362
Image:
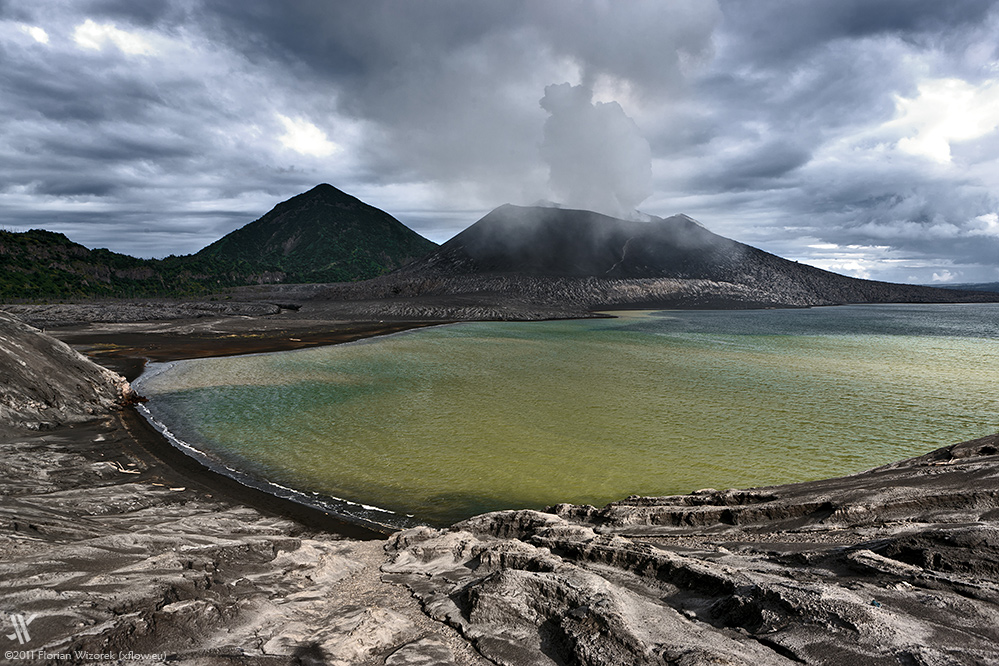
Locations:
447 422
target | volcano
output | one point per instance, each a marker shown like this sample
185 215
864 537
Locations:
580 243
579 258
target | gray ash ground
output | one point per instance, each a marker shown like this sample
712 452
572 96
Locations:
111 545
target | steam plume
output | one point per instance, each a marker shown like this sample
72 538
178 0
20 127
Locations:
597 157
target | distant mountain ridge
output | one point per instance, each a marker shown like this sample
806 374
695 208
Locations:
318 236
545 259
972 286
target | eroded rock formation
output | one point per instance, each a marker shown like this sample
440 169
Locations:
893 566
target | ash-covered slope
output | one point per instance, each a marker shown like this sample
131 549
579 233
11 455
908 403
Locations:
45 382
583 258
580 243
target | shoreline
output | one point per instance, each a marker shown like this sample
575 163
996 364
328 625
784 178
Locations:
152 447
128 353
246 470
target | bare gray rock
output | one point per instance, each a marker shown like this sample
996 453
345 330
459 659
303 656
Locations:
109 552
896 565
46 382
424 652
122 310
106 549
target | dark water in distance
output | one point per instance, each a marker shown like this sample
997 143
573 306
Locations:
447 422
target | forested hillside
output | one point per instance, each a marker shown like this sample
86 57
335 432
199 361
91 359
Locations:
322 235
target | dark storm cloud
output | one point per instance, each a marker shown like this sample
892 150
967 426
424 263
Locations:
853 134
822 126
118 127
447 81
147 13
446 91
358 39
777 32
763 166
643 41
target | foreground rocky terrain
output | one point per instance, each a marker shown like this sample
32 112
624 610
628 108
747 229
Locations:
113 550
107 551
894 566
46 383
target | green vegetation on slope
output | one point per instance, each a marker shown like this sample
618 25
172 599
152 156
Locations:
43 264
322 235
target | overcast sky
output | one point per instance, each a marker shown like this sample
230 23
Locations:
860 136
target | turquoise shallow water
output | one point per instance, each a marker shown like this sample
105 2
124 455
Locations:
447 422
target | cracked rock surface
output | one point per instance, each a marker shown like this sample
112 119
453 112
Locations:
893 566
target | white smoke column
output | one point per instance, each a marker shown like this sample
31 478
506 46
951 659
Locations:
598 158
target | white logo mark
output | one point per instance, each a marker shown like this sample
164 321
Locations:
21 628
